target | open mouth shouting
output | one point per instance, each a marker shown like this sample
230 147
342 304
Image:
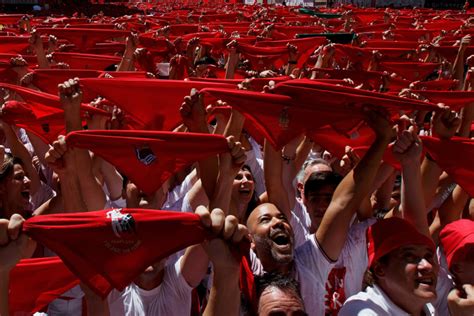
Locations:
281 241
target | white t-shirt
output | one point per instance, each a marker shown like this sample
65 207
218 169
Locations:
311 268
374 302
444 285
346 278
69 304
176 198
171 297
300 211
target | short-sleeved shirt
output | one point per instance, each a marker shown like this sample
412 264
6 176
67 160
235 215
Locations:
374 302
171 297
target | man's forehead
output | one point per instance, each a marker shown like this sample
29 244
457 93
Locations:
319 167
263 209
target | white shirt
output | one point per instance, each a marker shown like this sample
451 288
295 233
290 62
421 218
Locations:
444 285
374 302
311 268
353 259
171 297
176 201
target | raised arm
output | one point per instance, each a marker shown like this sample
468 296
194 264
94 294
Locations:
126 64
70 95
195 261
444 124
224 298
356 185
273 165
37 44
407 149
232 60
194 118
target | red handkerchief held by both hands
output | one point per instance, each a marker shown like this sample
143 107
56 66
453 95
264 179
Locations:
148 158
154 103
110 248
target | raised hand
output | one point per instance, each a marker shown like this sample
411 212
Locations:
70 94
228 233
407 148
55 155
193 112
460 304
13 244
380 123
444 122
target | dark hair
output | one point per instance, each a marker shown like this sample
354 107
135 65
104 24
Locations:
206 60
319 179
112 67
282 282
6 169
9 161
370 278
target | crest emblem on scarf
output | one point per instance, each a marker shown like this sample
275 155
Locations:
145 155
121 223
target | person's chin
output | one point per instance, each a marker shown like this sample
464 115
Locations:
283 257
427 293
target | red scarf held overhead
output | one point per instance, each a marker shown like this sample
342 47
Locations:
47 80
455 156
83 38
40 113
442 84
86 61
155 103
148 158
456 100
34 283
306 46
264 57
301 106
410 70
117 245
45 122
327 94
14 44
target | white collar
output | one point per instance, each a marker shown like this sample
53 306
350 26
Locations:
380 298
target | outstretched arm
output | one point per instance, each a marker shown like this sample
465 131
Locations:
70 95
407 149
332 233
224 298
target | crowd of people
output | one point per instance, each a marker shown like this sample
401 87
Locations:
230 159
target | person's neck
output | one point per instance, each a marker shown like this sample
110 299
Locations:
238 210
149 284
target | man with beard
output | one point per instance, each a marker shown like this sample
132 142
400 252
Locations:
273 238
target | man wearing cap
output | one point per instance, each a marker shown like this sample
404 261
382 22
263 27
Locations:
402 269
